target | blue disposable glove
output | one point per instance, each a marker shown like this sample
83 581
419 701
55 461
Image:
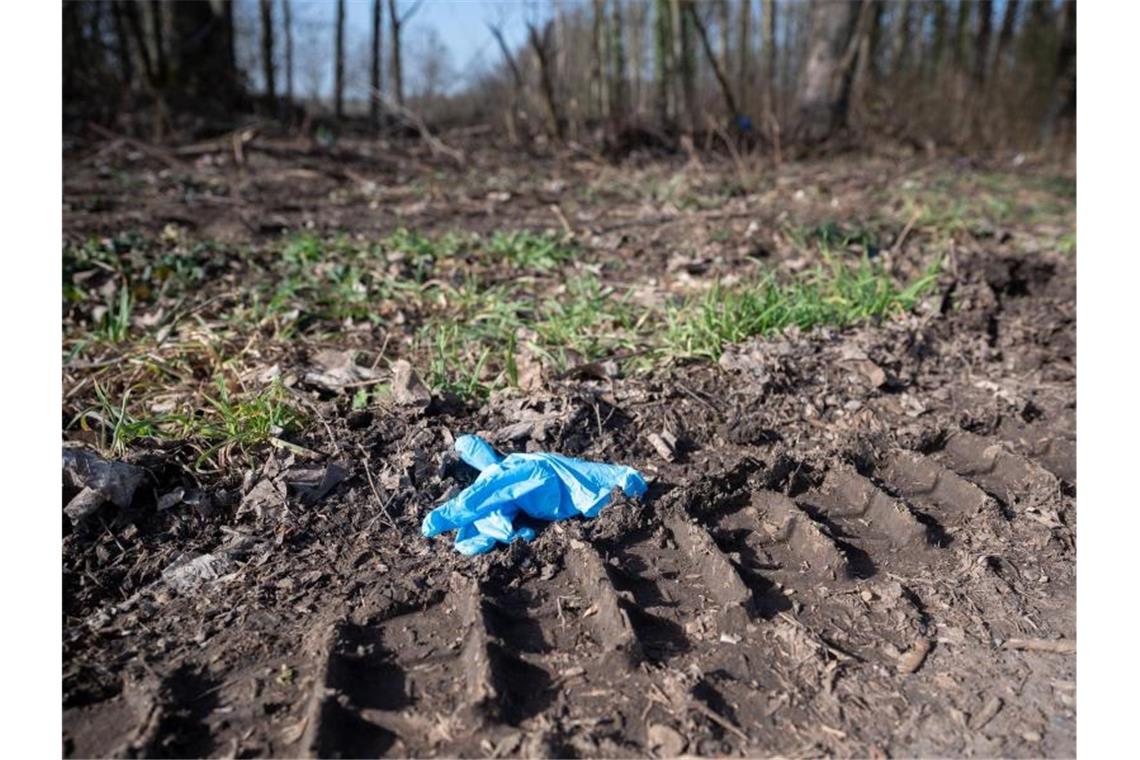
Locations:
546 486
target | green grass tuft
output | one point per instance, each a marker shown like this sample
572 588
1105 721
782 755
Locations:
526 250
835 295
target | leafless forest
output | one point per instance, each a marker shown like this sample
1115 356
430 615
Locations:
768 76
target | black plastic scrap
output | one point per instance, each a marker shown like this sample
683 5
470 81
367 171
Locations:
99 480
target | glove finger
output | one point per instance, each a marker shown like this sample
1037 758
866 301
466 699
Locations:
499 524
469 541
476 452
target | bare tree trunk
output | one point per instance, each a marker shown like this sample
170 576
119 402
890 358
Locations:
542 43
338 95
663 62
1064 103
875 40
226 14
374 96
961 34
169 41
199 42
619 88
722 23
900 33
636 21
854 64
686 65
1036 61
718 71
267 51
938 41
744 53
982 40
771 67
919 54
519 84
864 45
599 73
154 41
558 65
1005 36
287 17
75 41
822 102
122 43
146 63
510 59
396 23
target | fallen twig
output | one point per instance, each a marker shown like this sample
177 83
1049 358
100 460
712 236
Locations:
435 145
153 151
1055 646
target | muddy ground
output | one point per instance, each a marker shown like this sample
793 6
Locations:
857 540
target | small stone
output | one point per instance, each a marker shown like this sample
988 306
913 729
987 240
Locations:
664 741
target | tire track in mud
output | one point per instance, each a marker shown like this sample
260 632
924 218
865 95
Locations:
1045 443
507 653
776 568
989 464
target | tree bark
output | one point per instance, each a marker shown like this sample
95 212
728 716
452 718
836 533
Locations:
982 40
875 40
338 95
961 34
75 42
856 60
397 69
722 22
516 75
1005 36
374 95
686 67
518 84
744 51
134 24
718 71
200 37
663 62
226 13
122 43
771 68
938 39
154 41
599 71
899 35
822 104
287 17
267 72
1064 103
541 43
636 19
619 89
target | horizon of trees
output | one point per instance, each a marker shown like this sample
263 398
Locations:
776 71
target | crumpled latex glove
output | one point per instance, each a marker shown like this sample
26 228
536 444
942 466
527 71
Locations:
546 486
